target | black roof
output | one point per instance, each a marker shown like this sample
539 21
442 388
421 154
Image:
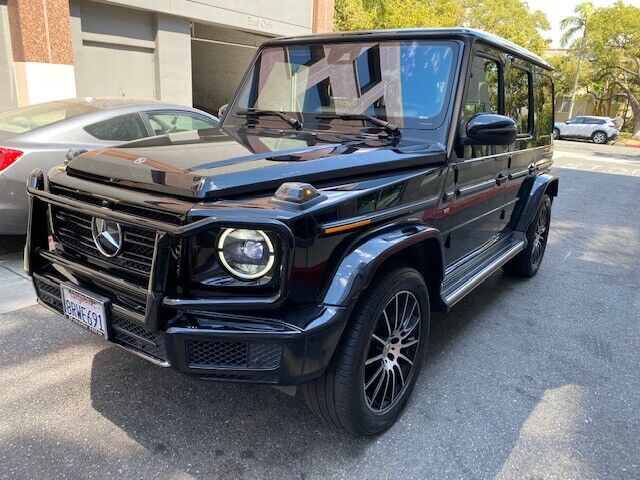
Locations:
435 33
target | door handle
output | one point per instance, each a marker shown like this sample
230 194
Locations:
500 179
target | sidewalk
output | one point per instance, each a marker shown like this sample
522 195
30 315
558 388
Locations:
17 290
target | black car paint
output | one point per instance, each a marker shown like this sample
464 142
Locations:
428 198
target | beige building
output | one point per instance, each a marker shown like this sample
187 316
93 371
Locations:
190 52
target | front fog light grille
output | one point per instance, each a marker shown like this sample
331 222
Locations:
221 354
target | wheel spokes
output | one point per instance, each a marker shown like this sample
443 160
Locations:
392 346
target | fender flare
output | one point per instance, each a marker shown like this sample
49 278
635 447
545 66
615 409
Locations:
543 183
358 267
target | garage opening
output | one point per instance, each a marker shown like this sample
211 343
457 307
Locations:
219 58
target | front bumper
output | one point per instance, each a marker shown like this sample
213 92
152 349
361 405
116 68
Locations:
225 347
258 340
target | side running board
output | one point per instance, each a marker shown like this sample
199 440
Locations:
455 291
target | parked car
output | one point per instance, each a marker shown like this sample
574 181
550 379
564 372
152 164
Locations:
40 136
358 181
599 129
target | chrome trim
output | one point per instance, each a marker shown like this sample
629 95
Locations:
476 187
385 214
521 173
483 274
149 358
118 283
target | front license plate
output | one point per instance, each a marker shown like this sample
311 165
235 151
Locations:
85 309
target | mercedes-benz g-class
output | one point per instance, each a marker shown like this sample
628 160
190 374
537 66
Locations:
357 182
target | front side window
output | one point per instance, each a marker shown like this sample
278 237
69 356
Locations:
121 129
171 122
518 86
407 83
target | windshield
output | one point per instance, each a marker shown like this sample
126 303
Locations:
403 82
24 119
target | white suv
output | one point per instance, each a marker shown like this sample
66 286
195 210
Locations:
598 129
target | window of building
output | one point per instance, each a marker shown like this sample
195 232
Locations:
123 128
518 99
367 67
565 104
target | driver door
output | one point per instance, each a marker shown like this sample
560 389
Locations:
573 126
477 200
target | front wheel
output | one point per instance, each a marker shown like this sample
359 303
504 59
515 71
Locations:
599 137
372 374
556 134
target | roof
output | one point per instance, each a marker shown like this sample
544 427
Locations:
435 33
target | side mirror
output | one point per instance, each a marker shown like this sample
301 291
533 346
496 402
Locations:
222 110
491 129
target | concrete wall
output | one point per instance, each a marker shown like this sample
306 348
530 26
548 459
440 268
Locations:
8 96
219 58
123 52
269 17
41 52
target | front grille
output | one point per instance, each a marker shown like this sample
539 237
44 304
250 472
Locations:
48 293
134 336
73 230
221 354
153 214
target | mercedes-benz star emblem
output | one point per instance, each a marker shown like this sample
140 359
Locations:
107 236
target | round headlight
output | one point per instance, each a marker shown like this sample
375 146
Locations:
247 254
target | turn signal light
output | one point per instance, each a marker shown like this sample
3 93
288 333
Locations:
8 156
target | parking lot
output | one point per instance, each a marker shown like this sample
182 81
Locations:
523 379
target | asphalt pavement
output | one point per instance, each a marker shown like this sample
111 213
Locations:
534 379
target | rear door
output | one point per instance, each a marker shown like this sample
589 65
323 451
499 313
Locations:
592 124
476 210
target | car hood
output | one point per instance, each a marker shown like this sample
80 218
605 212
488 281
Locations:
215 163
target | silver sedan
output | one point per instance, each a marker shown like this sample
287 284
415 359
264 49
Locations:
42 135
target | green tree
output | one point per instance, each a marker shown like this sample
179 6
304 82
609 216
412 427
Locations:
613 47
575 34
508 18
379 14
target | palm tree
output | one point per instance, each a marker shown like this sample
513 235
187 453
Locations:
576 26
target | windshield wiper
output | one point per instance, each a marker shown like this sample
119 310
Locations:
294 122
389 127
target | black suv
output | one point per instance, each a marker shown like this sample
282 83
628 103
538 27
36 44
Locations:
357 181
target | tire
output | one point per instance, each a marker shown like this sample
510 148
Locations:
340 395
599 137
527 263
556 134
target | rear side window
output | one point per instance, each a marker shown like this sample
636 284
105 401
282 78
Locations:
518 86
594 121
24 119
544 105
121 129
482 94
